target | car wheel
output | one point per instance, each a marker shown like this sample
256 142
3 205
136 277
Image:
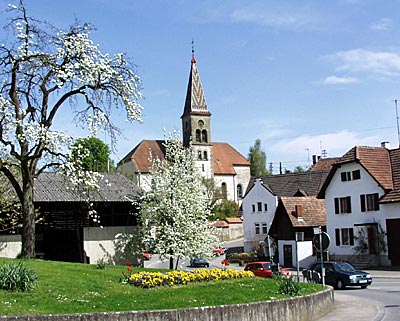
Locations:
207 265
364 286
340 285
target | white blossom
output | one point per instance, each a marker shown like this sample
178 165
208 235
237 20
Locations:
176 206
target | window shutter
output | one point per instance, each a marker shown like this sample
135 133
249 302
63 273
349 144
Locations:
351 233
349 204
362 202
343 176
336 205
376 201
337 236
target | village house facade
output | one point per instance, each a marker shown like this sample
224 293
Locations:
362 197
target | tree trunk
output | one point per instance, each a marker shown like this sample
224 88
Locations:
28 220
171 263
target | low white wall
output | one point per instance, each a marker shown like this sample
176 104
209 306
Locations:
105 243
10 245
304 252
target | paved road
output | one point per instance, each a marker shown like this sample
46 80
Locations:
380 302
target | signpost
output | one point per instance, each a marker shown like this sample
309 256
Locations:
321 243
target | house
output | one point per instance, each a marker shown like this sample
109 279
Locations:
215 160
293 228
362 199
264 207
65 233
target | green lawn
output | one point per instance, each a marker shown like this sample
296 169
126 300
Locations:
78 288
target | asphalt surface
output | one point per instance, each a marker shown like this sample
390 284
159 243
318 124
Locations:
348 307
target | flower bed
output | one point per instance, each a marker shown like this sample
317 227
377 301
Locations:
153 279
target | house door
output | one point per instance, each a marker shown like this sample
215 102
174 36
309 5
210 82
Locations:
393 240
371 239
287 255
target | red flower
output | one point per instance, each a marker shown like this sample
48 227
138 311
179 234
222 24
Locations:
130 270
127 263
225 262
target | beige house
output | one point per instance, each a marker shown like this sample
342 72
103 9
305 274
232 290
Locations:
215 160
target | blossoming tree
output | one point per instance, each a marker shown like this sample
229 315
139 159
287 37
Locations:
44 74
175 211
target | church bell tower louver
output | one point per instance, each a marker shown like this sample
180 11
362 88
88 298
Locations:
196 122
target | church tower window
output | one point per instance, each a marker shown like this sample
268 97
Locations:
198 136
205 155
204 137
199 155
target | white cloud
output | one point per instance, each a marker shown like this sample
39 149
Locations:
382 24
281 16
336 144
376 63
334 80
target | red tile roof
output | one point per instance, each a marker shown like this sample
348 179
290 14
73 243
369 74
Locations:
234 220
324 164
313 209
225 157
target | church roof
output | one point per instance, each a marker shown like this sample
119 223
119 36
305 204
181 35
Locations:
195 100
225 157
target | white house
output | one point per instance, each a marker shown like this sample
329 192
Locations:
262 200
259 205
362 199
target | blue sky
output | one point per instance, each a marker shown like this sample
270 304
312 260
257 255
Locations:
303 76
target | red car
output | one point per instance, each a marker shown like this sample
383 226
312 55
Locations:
266 269
219 251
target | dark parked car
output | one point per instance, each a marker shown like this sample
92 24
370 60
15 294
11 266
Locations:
266 269
195 261
337 274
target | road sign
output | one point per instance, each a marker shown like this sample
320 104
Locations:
321 242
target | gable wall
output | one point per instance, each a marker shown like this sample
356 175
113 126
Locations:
257 194
354 188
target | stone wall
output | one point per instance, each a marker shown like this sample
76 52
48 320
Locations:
309 307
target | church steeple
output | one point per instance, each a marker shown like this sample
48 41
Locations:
196 116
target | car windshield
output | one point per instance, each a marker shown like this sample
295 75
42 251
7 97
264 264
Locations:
267 266
344 266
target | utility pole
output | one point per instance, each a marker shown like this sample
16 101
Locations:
397 121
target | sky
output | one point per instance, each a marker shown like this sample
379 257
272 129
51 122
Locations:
305 77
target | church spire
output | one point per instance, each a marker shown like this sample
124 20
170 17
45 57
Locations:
195 100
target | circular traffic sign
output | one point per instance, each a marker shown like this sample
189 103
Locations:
321 242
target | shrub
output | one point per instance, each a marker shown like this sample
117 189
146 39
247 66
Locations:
288 287
17 277
101 264
243 257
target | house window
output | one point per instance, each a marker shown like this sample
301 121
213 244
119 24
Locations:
300 236
239 191
257 228
265 207
344 236
264 228
345 176
356 174
369 202
259 206
342 205
254 207
348 176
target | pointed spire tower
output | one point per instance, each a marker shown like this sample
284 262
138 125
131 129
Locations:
196 120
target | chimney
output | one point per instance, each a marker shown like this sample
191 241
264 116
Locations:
385 145
314 159
299 212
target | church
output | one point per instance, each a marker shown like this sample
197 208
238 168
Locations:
215 160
